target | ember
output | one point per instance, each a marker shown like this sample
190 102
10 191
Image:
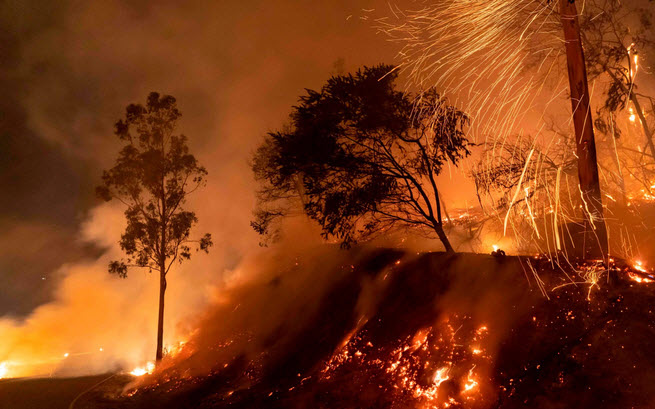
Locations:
434 367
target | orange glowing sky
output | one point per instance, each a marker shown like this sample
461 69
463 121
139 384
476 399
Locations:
70 68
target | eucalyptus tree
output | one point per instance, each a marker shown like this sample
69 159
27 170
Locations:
153 176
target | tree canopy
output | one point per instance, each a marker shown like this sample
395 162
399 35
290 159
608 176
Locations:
152 176
362 157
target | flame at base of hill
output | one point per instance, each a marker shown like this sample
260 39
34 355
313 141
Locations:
441 366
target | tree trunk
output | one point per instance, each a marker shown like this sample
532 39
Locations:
162 281
438 224
444 239
160 321
162 266
595 229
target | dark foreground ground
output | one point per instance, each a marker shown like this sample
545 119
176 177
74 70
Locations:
48 393
463 331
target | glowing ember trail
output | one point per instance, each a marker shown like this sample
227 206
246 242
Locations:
480 58
505 64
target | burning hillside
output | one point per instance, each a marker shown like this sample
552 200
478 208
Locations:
418 331
524 127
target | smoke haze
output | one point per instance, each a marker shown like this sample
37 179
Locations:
67 72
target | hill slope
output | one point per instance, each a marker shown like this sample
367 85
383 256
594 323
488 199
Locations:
399 330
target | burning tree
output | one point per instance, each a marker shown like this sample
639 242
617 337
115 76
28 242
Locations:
153 176
500 57
362 157
611 33
614 34
584 132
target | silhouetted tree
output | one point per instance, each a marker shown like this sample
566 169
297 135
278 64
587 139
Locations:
362 157
153 176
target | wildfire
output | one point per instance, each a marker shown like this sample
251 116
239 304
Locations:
149 367
441 376
635 62
420 338
639 279
175 349
143 370
470 383
4 370
436 366
635 275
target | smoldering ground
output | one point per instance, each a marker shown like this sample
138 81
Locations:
296 310
321 327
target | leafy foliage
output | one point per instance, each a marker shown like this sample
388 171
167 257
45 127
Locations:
361 156
153 175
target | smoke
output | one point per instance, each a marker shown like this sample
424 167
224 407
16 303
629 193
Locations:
98 322
265 304
235 68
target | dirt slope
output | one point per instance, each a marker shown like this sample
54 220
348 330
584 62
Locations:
436 330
